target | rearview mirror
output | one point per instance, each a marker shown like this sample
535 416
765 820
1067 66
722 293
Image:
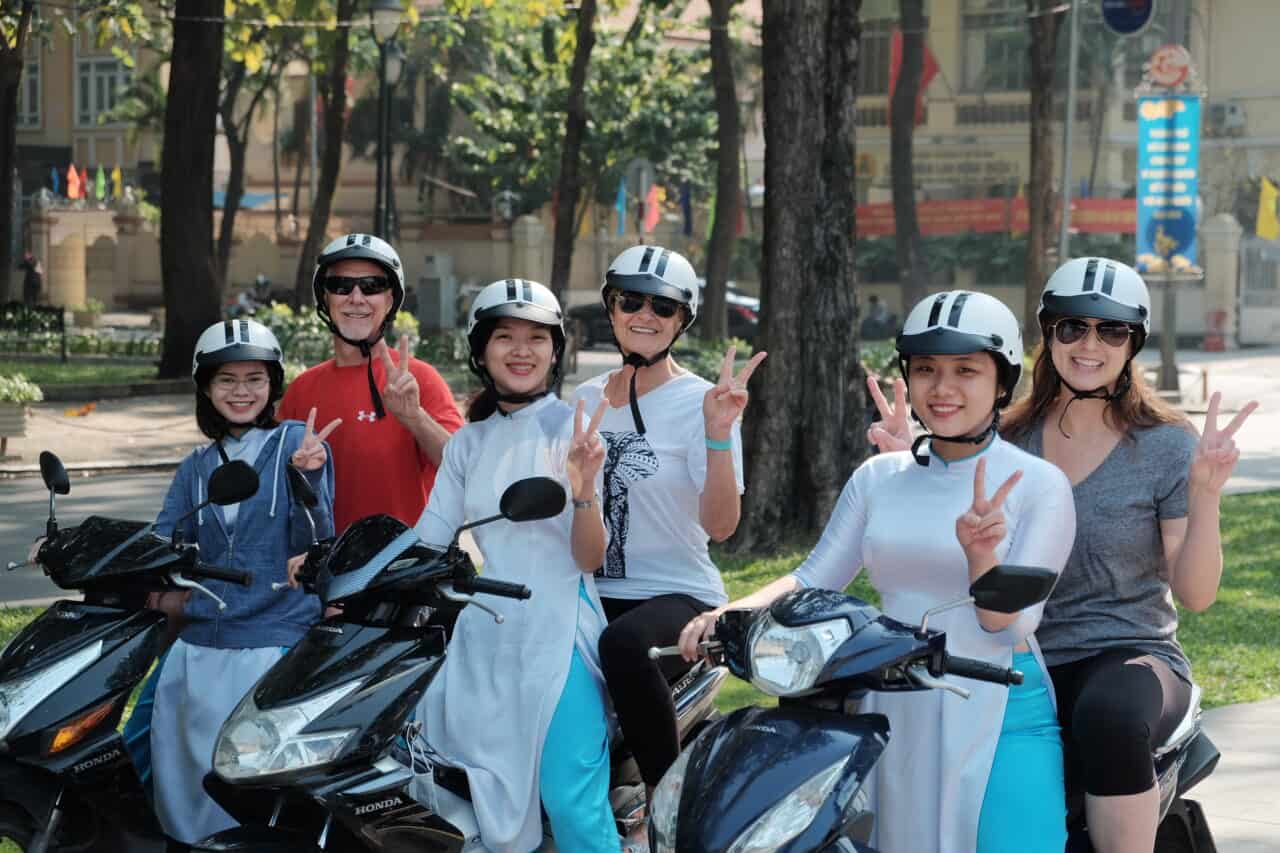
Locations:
54 473
302 491
233 482
531 499
1008 589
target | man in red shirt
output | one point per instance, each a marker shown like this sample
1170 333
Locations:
397 412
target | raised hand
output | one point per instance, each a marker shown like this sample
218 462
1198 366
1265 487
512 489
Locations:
1216 454
400 390
586 451
982 527
726 400
891 432
311 454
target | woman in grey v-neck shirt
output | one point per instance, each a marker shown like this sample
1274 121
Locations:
1146 493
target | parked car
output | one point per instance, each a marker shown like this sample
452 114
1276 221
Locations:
743 310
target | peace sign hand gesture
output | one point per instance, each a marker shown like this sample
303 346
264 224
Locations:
311 454
586 452
891 432
400 390
983 526
1216 454
725 402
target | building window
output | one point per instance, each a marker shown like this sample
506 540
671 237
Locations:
100 83
29 95
995 43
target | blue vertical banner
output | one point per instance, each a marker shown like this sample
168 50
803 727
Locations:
1168 183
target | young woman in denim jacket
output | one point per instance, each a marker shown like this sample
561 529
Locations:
220 653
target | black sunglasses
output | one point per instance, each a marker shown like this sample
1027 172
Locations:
1110 332
342 285
661 306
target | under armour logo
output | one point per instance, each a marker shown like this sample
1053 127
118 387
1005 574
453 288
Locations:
362 415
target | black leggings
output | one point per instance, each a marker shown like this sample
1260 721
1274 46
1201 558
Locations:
1115 708
639 686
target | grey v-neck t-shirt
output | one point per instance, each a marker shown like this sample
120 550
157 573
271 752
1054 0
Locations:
1114 591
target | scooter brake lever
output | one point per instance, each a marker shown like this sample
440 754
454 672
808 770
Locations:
448 593
707 647
920 675
187 583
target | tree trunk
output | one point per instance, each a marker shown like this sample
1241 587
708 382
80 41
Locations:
235 174
275 158
192 297
236 131
11 59
715 322
334 96
302 133
569 184
1044 24
804 429
902 129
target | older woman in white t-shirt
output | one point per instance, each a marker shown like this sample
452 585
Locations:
672 479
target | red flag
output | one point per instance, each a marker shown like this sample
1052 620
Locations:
652 209
73 182
927 73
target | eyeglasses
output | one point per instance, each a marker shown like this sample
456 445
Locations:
1110 332
662 306
369 285
228 384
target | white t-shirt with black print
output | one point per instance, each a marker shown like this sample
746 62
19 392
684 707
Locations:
650 486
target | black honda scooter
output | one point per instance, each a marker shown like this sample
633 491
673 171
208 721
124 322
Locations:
66 780
791 779
321 755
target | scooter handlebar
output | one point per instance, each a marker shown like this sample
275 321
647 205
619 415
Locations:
981 671
204 570
491 587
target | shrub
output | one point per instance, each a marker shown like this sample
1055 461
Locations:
18 389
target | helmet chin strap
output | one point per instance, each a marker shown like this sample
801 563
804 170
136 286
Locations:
1099 393
973 438
636 360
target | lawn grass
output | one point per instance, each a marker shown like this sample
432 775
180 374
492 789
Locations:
78 372
1234 646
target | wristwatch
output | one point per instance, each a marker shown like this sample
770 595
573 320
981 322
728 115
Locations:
587 504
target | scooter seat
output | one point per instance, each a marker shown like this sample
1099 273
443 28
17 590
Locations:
1186 728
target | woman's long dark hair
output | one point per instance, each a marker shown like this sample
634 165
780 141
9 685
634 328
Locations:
1138 406
213 424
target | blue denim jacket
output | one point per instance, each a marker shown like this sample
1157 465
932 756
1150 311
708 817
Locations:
269 529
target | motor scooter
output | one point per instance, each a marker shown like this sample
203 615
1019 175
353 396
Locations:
791 779
322 754
66 780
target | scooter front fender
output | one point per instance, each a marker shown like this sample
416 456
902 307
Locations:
256 839
745 764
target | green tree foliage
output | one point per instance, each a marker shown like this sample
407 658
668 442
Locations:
644 99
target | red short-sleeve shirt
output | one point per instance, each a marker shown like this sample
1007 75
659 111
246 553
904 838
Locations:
378 466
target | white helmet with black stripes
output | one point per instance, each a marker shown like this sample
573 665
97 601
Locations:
518 298
364 247
655 271
956 322
235 340
1100 288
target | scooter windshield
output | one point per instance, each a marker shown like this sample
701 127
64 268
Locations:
105 548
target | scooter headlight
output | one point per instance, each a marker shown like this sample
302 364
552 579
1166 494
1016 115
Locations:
19 696
255 743
791 816
785 661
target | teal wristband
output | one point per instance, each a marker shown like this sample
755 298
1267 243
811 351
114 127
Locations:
712 444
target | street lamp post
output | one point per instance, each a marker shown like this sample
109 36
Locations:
384 20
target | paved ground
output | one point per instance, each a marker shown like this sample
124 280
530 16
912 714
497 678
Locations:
1242 799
